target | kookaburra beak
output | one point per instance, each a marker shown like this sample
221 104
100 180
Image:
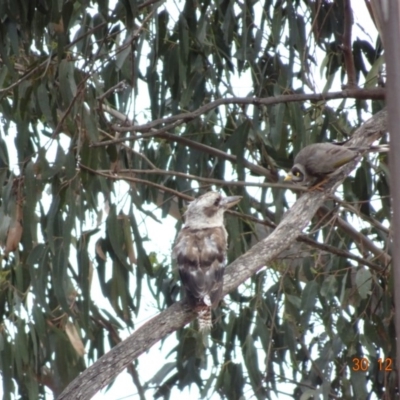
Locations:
288 177
230 201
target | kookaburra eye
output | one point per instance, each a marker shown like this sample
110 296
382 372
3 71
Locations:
217 201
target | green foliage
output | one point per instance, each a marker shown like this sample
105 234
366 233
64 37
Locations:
76 75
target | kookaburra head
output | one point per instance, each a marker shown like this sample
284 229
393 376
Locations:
200 251
207 211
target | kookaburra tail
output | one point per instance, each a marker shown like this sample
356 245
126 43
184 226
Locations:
200 251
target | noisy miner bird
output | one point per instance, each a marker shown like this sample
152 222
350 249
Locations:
316 162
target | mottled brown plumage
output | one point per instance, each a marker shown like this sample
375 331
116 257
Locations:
200 251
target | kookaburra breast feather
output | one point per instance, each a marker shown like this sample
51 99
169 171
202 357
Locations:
200 251
316 162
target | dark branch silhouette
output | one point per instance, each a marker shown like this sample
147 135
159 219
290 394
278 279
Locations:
361 94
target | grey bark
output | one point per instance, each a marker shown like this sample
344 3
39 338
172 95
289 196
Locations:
389 19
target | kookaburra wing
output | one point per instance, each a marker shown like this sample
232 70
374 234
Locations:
316 162
200 251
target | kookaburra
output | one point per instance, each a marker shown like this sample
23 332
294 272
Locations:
200 251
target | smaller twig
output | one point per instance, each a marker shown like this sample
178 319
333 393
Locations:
124 120
347 46
339 252
68 110
141 155
137 180
161 133
137 32
87 33
371 94
324 221
116 88
149 3
313 243
24 77
211 181
363 242
363 216
273 326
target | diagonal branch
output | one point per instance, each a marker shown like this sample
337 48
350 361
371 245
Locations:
371 94
362 241
104 370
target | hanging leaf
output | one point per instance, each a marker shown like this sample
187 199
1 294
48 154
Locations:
74 338
363 282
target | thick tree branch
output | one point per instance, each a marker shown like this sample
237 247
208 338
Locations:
113 334
294 221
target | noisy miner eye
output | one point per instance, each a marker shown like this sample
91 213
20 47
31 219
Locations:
297 173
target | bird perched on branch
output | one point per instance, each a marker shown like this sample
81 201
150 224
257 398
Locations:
316 162
200 251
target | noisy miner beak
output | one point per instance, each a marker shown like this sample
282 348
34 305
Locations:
288 177
230 201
